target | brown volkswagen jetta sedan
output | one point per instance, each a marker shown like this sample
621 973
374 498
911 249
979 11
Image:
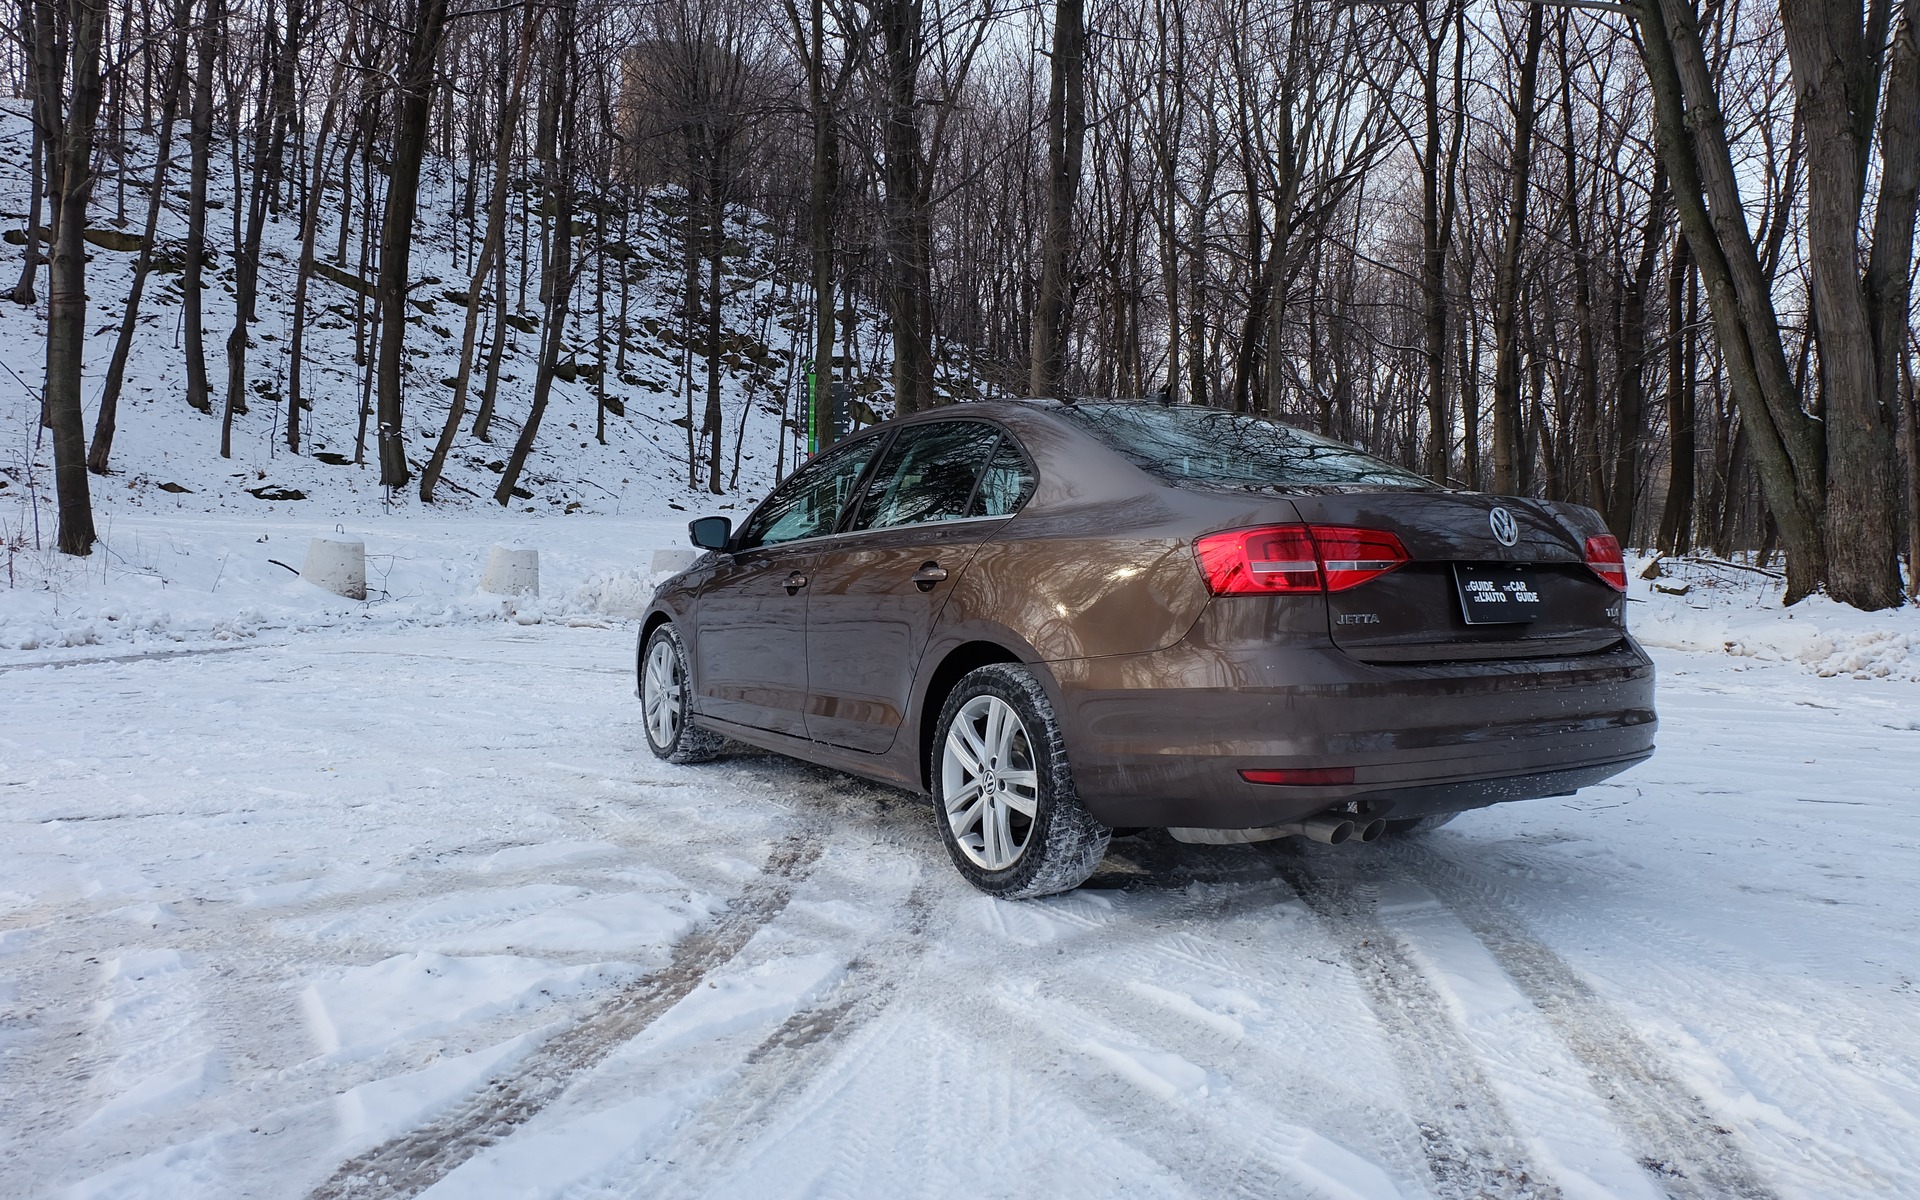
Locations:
1066 619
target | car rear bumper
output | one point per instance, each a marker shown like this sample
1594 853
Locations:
1160 739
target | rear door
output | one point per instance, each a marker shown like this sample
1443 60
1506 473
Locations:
1416 613
879 587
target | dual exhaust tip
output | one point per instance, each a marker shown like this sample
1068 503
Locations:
1334 830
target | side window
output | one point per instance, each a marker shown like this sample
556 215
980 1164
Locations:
1005 486
929 475
810 503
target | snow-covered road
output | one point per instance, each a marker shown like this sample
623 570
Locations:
366 914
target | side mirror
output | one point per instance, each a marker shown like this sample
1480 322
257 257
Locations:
711 533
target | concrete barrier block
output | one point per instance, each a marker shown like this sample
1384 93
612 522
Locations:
675 561
512 571
338 565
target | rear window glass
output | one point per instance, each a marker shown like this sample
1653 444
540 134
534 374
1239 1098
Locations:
1191 444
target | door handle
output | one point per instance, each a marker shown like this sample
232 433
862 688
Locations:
929 574
795 582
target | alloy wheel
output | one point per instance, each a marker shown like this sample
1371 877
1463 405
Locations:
660 696
990 789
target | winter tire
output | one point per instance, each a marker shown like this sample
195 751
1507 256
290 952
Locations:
666 701
1003 792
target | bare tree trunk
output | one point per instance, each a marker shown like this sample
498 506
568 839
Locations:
907 234
823 189
396 235
200 140
1169 110
269 142
1066 141
101 453
23 292
1439 172
68 134
492 247
712 418
309 233
1508 442
1913 477
1784 442
559 282
496 351
1676 521
1836 72
1623 495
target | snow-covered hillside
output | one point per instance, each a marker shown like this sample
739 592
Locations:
166 454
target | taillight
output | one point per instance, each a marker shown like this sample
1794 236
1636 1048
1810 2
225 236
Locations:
1245 562
1350 557
1606 561
1294 559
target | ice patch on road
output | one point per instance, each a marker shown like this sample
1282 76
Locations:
370 1009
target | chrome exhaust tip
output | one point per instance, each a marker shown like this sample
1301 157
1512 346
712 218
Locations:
1328 829
1369 830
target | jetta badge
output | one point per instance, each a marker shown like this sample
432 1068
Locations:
1505 528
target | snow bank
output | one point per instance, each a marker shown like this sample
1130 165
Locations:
159 583
1705 606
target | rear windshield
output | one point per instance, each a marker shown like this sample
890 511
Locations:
1191 444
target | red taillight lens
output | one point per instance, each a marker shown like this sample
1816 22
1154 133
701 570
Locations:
1606 561
1350 557
1302 776
1249 562
1293 559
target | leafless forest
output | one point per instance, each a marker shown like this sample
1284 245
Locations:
1653 256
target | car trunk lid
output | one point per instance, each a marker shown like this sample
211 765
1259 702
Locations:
1415 613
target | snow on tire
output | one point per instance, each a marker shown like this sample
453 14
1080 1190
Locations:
1003 792
666 701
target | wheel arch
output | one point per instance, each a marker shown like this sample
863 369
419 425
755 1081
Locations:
965 657
653 620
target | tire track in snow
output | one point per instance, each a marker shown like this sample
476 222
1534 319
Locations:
414 1161
1688 1151
153 656
784 1066
1466 1135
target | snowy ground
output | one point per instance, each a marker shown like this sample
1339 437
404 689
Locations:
367 899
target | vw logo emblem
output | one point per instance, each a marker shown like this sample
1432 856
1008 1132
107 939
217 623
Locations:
1505 528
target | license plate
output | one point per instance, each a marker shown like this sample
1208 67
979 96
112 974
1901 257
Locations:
1496 595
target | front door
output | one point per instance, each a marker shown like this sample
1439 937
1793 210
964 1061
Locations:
750 639
878 588
750 645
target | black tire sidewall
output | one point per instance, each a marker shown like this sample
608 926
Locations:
1057 798
665 632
